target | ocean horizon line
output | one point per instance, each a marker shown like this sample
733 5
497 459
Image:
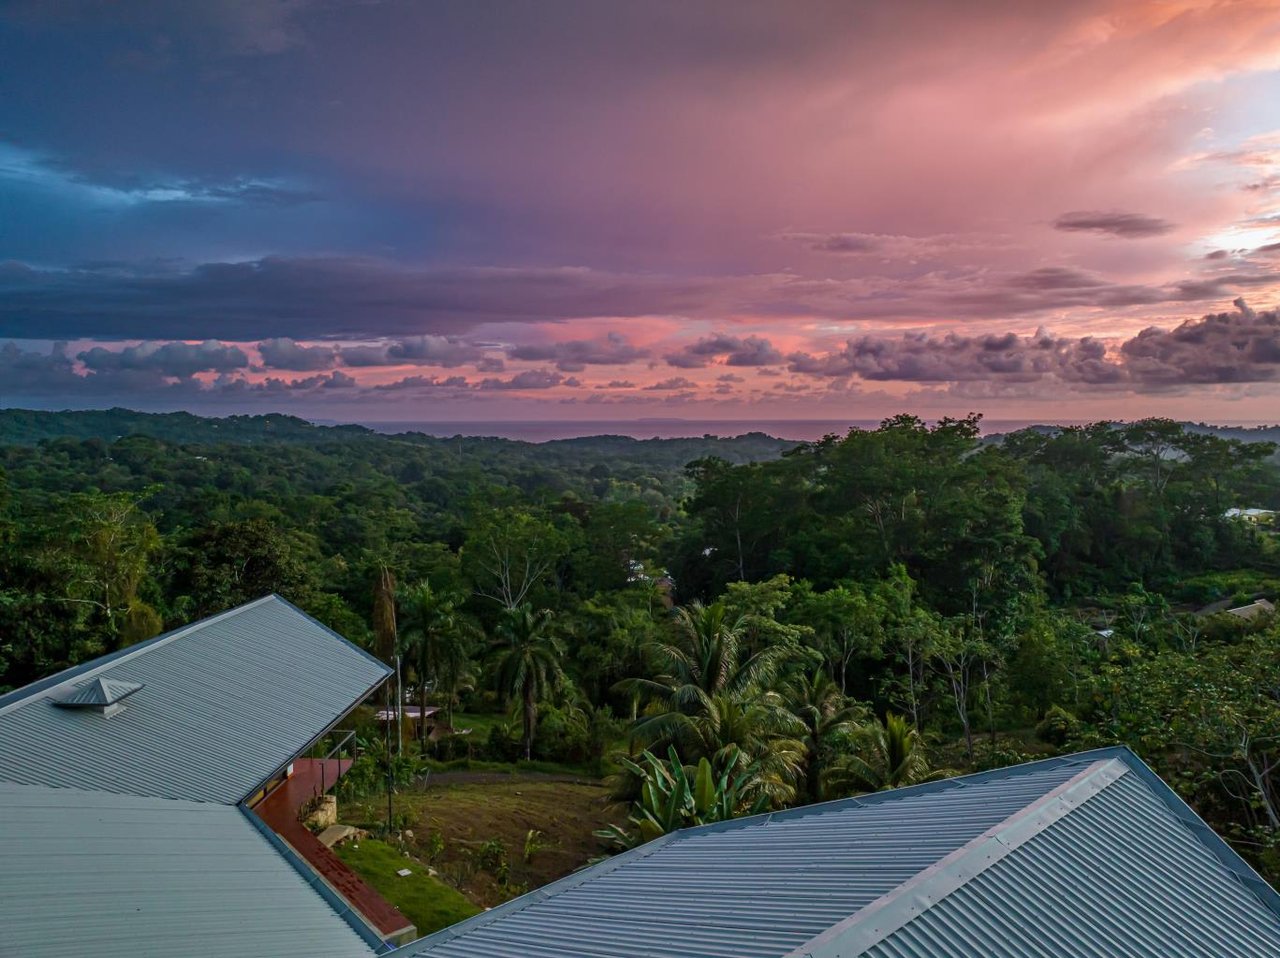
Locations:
800 430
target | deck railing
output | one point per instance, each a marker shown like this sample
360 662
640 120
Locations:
347 736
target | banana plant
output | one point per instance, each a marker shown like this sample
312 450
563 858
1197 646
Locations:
673 796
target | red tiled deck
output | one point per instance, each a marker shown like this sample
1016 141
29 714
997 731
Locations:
280 811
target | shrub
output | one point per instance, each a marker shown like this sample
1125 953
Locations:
1058 726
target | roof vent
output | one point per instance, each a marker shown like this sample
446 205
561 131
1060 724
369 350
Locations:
100 695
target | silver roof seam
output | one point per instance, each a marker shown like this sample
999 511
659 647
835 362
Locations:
868 927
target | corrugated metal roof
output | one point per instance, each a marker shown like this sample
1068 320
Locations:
753 888
1118 876
118 876
1087 855
226 702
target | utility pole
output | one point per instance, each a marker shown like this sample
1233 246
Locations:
390 815
387 752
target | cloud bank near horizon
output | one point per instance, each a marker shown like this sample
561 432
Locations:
1237 348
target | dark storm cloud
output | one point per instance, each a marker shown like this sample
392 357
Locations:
422 384
837 242
529 379
1217 287
572 356
332 296
676 382
25 372
284 353
895 246
1053 278
152 376
737 351
1113 223
1239 347
425 350
167 359
919 357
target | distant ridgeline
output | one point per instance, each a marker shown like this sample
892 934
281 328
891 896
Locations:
1241 433
27 427
23 427
607 454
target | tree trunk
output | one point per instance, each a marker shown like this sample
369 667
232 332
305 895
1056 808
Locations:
422 708
530 720
737 533
813 774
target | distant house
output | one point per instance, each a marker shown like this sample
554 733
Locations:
1254 609
1250 515
1087 855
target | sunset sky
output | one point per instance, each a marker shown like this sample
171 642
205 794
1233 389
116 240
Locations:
408 210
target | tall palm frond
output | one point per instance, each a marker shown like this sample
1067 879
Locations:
890 754
830 721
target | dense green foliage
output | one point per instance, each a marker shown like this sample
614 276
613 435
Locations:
774 624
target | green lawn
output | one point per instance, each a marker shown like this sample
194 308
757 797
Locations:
480 723
427 902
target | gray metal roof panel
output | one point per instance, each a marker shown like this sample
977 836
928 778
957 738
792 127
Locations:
118 876
227 701
753 888
1120 875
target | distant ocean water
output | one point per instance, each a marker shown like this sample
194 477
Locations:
544 431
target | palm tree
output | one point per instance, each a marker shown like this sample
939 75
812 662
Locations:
527 659
756 731
830 723
705 659
437 640
711 702
892 755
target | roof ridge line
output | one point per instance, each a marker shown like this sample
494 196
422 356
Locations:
891 911
41 687
870 799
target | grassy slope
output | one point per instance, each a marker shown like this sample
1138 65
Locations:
427 902
468 809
